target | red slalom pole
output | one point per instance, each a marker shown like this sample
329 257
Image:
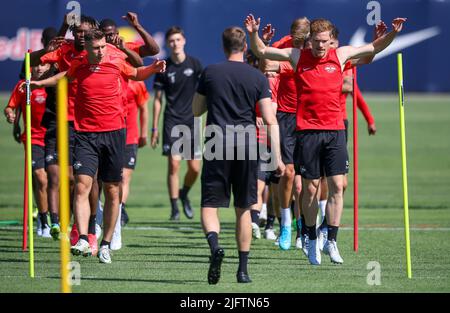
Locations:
355 163
25 208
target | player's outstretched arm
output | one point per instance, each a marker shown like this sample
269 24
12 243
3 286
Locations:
150 46
144 72
261 50
49 82
199 104
348 52
379 31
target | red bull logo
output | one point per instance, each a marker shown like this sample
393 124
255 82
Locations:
16 47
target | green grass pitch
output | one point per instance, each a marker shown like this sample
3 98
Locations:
162 256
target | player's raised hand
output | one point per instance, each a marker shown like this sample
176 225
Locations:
268 32
131 18
54 44
380 30
397 24
159 66
251 24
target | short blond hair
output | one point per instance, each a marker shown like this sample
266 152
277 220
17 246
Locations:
321 25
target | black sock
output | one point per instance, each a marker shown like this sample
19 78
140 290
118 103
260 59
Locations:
279 220
312 232
304 230
213 241
255 216
324 223
84 237
243 260
174 204
332 232
270 221
104 243
299 227
44 220
122 207
54 218
184 191
91 228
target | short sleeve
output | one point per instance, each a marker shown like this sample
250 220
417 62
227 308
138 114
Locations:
71 72
265 91
142 94
51 57
17 97
127 69
133 46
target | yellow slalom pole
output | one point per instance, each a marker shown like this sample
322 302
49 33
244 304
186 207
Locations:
63 160
401 102
28 167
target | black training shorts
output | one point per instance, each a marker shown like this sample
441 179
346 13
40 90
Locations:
51 148
102 151
37 157
220 177
287 123
321 153
130 156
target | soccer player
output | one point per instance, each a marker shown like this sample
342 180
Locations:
100 136
286 116
178 84
38 99
229 92
320 126
62 53
347 88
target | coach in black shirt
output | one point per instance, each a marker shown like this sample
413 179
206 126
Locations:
229 91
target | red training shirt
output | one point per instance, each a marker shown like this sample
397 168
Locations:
319 86
137 96
38 97
99 103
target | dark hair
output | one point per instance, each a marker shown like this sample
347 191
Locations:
85 19
335 32
107 22
93 34
233 39
48 34
174 30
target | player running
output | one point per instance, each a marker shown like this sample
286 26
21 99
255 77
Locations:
16 102
100 136
178 84
320 126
